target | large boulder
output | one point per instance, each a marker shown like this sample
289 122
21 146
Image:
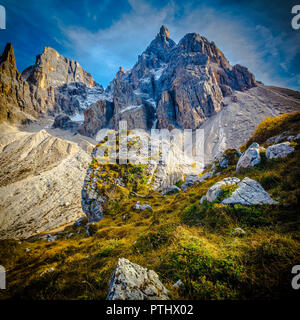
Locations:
249 192
280 150
250 157
215 190
133 282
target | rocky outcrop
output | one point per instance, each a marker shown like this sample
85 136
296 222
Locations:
133 282
64 122
232 126
190 85
62 84
159 171
96 117
249 192
280 150
179 85
250 157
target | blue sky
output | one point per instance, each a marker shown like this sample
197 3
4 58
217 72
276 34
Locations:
103 35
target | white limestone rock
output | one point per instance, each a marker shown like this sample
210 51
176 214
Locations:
215 189
133 282
249 192
250 157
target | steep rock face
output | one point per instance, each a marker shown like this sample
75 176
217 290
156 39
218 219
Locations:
128 106
192 85
64 122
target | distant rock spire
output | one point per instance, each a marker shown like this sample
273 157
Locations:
8 64
8 55
164 32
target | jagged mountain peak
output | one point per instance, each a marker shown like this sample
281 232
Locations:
163 32
51 69
161 45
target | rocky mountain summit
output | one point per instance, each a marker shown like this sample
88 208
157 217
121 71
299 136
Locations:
52 85
189 85
178 85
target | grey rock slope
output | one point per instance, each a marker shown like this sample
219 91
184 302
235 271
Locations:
41 177
235 123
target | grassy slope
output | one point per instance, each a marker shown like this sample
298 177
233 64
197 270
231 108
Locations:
180 239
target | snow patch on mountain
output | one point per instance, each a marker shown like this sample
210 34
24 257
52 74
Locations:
128 108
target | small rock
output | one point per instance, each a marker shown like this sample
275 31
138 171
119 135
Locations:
190 180
179 284
27 250
207 175
203 198
238 232
142 207
254 145
297 137
223 163
51 238
78 223
47 271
